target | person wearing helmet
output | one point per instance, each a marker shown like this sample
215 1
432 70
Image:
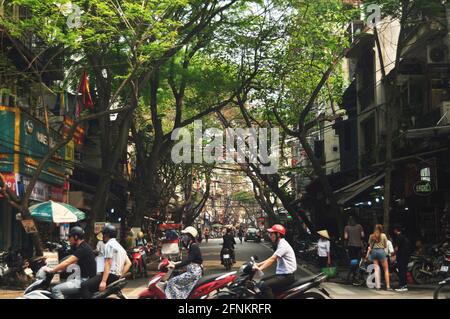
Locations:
180 287
142 242
84 256
228 243
116 264
286 263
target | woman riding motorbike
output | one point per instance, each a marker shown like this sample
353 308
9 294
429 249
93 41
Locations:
180 286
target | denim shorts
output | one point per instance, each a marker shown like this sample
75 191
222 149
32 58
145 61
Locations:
378 254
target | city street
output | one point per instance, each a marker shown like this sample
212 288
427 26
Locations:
244 251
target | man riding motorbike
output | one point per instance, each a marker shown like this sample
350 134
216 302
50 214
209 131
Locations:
117 264
84 256
228 243
180 287
286 263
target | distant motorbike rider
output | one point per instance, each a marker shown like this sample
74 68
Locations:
286 263
84 256
240 233
117 264
180 287
142 242
228 243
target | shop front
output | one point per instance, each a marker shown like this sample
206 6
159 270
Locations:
25 141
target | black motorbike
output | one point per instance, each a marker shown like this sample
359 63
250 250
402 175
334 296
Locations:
432 267
443 290
247 286
226 257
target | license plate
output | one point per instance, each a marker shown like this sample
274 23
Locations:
226 256
444 268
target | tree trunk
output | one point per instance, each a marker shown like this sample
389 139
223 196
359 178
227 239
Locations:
326 187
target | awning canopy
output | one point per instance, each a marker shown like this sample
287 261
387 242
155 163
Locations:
348 192
428 132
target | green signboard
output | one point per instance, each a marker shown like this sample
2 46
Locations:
27 138
7 141
423 188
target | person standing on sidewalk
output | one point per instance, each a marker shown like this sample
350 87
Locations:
402 249
377 252
353 234
323 249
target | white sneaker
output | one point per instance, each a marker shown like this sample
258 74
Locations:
402 289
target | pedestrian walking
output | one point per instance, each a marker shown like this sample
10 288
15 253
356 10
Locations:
402 252
206 234
240 234
323 249
377 254
353 235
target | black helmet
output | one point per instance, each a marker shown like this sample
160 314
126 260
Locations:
110 231
76 231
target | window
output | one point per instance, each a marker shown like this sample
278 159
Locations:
425 174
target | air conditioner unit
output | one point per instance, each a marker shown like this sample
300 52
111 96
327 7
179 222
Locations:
445 113
437 54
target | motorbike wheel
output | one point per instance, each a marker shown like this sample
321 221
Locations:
134 271
311 295
227 265
417 275
442 292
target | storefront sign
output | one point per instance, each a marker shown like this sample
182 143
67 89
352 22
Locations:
78 136
24 142
98 227
10 180
40 191
29 226
56 194
423 188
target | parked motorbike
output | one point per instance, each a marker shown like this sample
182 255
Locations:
40 288
137 262
205 288
4 269
432 267
246 286
227 262
443 290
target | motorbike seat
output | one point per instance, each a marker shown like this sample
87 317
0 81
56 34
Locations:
206 279
111 288
301 281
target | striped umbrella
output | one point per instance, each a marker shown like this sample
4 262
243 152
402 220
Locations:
56 212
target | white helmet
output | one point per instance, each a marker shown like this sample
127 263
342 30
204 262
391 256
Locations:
190 230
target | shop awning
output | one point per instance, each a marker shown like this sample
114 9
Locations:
348 192
428 132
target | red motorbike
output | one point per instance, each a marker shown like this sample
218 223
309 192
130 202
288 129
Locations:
137 262
205 287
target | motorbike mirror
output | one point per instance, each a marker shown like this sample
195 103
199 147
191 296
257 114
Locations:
255 258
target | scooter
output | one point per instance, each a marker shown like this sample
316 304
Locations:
40 289
227 262
137 260
205 288
246 286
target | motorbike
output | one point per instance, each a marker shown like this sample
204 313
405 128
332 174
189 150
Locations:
443 290
4 269
205 288
227 262
246 286
432 267
137 260
40 288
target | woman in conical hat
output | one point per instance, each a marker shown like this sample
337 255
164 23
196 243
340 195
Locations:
323 249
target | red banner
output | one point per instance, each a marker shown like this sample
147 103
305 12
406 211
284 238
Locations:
56 194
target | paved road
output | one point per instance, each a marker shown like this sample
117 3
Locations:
244 251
